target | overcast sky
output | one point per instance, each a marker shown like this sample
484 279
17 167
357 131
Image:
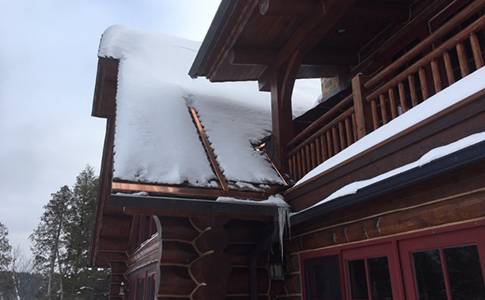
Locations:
47 72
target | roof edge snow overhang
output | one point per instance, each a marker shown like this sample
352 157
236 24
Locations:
189 207
447 163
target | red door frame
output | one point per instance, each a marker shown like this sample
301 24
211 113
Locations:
448 235
461 237
386 249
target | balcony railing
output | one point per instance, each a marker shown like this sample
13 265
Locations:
434 64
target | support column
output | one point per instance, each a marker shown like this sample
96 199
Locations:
282 83
362 111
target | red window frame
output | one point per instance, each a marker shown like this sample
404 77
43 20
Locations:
432 241
399 249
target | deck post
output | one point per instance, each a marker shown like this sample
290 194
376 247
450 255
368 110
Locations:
282 83
363 116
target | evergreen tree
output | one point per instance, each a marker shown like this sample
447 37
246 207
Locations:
5 249
6 282
81 281
47 241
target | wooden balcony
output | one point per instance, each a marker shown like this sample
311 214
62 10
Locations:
447 55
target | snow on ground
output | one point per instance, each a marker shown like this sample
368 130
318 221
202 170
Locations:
453 94
430 156
155 138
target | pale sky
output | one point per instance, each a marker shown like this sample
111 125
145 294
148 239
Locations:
47 73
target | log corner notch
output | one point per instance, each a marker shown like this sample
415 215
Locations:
282 83
212 269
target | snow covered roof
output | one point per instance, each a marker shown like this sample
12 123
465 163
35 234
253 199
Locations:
156 140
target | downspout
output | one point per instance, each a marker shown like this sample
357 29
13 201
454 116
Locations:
261 246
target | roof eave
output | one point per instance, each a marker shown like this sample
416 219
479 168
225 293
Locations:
447 163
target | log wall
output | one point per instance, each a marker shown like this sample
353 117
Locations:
455 197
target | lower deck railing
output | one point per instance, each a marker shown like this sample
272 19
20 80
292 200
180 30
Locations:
434 64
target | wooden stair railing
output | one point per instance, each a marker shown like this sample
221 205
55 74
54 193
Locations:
385 96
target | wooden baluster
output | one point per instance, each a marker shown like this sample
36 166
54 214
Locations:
460 50
450 75
313 154
423 81
354 126
393 103
348 130
336 147
477 52
375 116
291 166
435 71
308 162
341 134
412 90
402 97
329 143
382 102
323 147
299 163
318 150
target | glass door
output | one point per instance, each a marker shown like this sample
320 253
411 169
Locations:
372 273
446 266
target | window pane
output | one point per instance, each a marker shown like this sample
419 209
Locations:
323 278
358 282
466 278
429 276
380 280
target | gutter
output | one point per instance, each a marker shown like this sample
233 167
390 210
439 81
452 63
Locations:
453 161
193 206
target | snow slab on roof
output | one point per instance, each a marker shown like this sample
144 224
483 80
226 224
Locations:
430 156
453 94
155 138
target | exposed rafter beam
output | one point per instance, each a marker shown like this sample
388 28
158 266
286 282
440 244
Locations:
316 57
382 9
308 35
288 7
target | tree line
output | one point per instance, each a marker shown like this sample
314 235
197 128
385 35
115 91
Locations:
60 248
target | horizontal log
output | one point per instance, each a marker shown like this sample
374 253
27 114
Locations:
382 9
298 8
316 57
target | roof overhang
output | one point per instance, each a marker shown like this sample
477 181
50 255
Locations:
249 39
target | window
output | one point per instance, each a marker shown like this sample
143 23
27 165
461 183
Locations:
323 278
370 274
440 264
454 272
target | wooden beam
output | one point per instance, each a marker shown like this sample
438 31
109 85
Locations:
288 7
308 34
180 207
282 83
382 9
105 88
180 191
316 57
